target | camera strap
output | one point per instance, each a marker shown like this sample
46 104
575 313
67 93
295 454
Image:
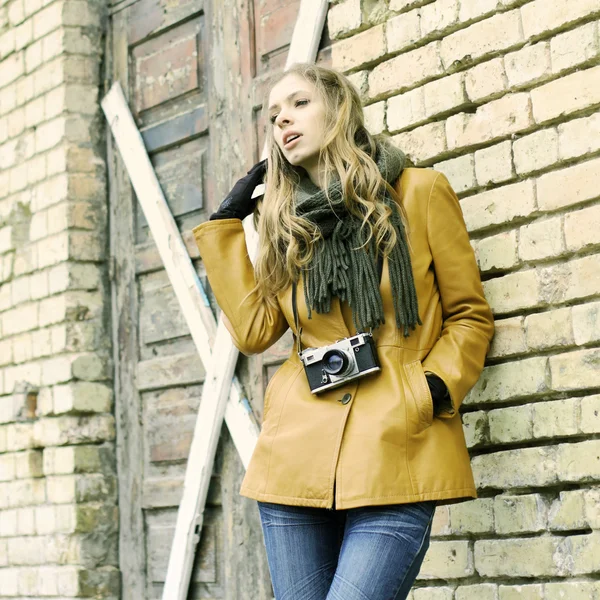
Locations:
295 305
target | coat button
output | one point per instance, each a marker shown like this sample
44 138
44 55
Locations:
346 398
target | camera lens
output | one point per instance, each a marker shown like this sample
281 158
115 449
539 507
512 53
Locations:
335 362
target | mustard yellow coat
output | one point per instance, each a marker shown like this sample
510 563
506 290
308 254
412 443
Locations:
384 445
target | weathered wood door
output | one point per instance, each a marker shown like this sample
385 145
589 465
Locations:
194 73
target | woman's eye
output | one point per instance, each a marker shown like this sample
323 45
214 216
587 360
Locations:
272 119
301 102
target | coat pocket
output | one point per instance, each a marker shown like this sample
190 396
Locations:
421 393
275 384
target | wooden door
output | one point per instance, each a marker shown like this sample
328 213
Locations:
194 72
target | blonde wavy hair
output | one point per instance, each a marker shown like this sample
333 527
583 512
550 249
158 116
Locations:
286 242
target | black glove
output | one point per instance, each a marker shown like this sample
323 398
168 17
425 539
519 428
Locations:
239 202
439 394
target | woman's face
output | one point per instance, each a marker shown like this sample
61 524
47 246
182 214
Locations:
297 115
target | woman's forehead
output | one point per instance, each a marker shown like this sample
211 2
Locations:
288 85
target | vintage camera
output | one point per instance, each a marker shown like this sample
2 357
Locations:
346 359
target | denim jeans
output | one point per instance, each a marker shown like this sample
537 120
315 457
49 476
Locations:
367 553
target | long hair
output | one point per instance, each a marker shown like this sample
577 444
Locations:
286 242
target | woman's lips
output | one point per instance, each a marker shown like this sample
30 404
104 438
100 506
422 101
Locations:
289 145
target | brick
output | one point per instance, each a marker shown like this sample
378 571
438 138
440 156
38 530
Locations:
511 424
568 281
31 6
406 110
499 32
592 507
401 5
403 31
514 291
374 117
405 71
475 516
476 428
75 459
359 50
472 9
586 323
574 47
433 593
460 171
536 151
590 414
6 242
25 521
556 419
48 19
438 16
7 467
68 429
344 18
575 370
19 319
518 557
69 489
19 436
523 467
568 512
26 492
520 514
9 579
50 134
447 560
510 114
28 464
82 396
579 137
509 338
440 525
579 461
581 228
566 95
530 64
544 16
510 380
423 143
12 67
569 186
54 249
479 591
485 80
23 35
494 164
578 554
445 94
573 590
541 239
497 251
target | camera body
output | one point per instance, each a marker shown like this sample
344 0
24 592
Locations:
344 360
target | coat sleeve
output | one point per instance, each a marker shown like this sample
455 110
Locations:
467 329
253 325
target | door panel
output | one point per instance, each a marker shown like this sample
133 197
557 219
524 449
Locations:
191 70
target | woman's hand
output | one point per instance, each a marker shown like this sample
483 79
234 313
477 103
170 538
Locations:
239 203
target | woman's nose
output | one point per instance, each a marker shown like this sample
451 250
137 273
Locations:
282 119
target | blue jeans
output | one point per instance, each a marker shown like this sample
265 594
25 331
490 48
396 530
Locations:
367 553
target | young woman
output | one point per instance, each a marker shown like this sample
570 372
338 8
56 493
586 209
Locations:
370 264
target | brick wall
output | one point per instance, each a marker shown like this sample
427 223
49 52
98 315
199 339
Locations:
503 96
58 519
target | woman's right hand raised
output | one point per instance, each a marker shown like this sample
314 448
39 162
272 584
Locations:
238 204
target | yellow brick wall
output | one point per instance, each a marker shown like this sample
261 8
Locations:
503 96
58 513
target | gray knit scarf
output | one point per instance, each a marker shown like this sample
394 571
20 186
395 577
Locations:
337 269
